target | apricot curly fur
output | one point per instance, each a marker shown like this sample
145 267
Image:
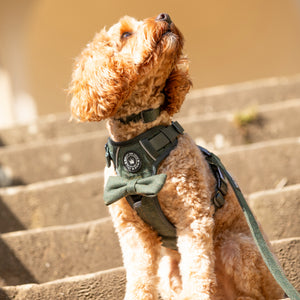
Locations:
138 65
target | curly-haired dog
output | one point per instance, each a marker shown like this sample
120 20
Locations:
133 67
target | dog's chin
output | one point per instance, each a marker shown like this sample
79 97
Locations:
170 41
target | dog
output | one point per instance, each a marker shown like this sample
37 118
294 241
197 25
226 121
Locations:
137 66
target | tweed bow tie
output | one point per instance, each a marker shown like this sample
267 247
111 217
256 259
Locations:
118 187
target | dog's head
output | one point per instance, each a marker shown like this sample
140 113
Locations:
132 57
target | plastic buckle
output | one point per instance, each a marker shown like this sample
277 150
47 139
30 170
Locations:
142 115
218 199
223 187
178 127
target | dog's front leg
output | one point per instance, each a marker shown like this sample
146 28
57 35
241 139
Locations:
141 250
195 243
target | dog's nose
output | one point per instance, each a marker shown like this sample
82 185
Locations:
164 17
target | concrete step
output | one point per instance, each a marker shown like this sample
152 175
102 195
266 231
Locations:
62 201
272 160
106 285
41 255
265 165
221 130
45 128
288 253
78 199
223 98
25 164
278 211
238 96
60 251
111 284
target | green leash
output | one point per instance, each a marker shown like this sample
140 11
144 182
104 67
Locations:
267 255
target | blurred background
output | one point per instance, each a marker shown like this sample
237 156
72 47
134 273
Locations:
227 41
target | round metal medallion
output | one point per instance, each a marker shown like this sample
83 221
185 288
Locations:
132 162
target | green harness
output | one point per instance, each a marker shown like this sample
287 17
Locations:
136 162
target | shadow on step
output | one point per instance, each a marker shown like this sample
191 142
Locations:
8 221
7 179
12 270
3 295
1 145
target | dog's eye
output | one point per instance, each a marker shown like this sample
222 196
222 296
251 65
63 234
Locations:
125 35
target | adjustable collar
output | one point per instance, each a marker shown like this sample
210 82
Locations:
146 116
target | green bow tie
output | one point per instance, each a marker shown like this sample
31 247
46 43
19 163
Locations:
118 187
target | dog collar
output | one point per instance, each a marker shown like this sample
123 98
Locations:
147 116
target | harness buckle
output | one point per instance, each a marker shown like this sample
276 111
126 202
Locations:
218 199
178 127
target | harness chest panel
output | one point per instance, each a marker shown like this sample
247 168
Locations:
136 162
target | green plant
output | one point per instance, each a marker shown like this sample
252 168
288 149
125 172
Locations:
246 116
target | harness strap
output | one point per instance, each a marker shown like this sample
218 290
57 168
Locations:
221 186
267 255
149 210
158 148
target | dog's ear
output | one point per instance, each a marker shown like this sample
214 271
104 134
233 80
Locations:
101 81
177 86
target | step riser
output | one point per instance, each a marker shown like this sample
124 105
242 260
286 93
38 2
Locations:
61 202
239 96
222 132
254 169
111 285
278 212
58 252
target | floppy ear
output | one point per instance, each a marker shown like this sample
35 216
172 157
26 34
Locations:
177 86
102 80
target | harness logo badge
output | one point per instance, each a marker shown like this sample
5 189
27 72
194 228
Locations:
132 162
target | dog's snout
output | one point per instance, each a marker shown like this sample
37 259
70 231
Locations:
164 17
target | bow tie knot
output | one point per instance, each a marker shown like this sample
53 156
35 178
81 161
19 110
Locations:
118 187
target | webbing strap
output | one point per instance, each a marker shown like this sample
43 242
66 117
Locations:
267 255
149 210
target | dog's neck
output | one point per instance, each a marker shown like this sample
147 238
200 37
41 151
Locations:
120 132
139 101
